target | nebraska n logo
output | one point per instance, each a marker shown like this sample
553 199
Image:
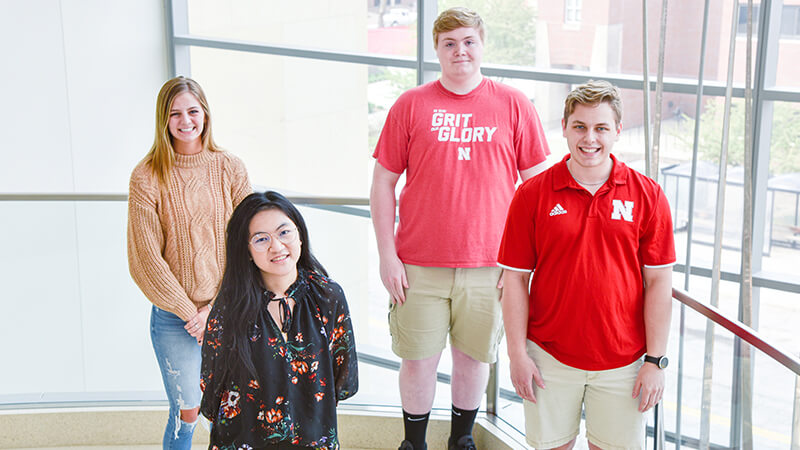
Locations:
622 210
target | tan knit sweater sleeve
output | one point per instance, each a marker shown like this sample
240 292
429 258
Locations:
147 266
240 182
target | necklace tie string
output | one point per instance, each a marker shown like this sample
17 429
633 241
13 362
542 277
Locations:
285 313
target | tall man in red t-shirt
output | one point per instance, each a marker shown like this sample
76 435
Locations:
597 236
461 141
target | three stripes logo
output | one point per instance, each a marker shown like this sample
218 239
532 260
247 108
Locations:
558 209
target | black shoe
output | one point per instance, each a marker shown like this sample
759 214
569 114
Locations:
463 443
407 445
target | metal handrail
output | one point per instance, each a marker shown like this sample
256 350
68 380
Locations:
741 330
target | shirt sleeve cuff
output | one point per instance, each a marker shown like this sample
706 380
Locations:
648 266
515 269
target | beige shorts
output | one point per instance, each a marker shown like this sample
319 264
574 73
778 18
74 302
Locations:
613 420
461 302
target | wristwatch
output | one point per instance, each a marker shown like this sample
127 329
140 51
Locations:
660 361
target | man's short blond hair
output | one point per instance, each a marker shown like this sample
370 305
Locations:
592 93
455 18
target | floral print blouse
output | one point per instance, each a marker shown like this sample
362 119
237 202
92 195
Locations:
303 377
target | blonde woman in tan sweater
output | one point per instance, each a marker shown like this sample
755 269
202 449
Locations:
181 197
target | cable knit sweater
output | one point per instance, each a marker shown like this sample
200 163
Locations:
176 233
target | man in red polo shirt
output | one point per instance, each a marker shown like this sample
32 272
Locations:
597 237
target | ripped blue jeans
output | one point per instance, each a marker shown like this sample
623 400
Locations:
179 358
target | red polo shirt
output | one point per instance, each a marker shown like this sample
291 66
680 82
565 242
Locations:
587 254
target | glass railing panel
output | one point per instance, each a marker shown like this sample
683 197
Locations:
41 295
509 405
83 325
777 317
712 400
79 322
345 244
113 309
691 373
378 387
773 403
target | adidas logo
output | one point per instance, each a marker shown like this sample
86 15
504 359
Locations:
558 209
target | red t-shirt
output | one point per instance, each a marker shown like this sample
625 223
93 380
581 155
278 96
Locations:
461 155
587 254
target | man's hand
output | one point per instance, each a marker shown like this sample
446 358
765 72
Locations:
393 275
523 373
649 386
382 205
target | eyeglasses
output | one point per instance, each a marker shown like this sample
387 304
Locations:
262 241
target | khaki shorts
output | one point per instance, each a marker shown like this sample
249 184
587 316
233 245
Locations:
461 302
613 420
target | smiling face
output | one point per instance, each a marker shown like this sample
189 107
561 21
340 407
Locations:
591 131
186 122
278 263
460 53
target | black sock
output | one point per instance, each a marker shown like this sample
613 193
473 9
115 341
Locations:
461 422
415 426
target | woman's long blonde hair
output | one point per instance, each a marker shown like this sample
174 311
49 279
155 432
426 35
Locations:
161 156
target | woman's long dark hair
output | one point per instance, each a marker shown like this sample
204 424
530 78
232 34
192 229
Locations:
241 293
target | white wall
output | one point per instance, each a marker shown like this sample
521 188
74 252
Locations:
78 83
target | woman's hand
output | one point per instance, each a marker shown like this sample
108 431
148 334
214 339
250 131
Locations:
196 326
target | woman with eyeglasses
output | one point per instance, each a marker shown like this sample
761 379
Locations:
181 196
279 352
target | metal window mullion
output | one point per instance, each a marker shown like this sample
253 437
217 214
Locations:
427 10
795 443
765 75
762 111
719 221
296 52
751 242
651 158
662 44
646 93
176 15
690 224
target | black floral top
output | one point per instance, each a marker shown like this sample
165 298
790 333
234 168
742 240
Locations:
303 377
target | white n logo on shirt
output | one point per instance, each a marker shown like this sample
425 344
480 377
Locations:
622 210
463 153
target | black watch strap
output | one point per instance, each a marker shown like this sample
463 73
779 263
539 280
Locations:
660 361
